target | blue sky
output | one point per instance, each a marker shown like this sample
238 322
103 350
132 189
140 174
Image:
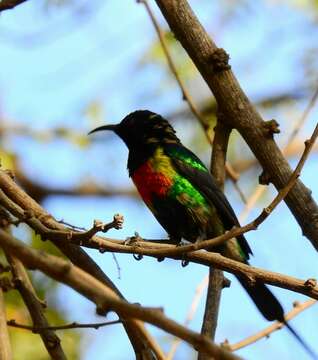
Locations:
54 64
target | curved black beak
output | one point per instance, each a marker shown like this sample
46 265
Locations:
104 127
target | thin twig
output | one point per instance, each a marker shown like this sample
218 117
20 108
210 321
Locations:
117 265
192 311
265 333
303 118
73 325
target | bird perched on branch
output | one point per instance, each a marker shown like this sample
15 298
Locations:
184 197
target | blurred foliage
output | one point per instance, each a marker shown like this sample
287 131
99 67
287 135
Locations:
155 56
27 345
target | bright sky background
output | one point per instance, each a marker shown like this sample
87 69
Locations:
54 65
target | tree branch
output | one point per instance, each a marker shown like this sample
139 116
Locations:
24 286
212 63
10 4
265 333
105 299
73 325
191 312
216 278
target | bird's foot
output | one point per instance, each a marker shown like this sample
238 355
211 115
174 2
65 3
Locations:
133 240
184 262
181 243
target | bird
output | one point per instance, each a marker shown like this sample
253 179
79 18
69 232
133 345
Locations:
185 199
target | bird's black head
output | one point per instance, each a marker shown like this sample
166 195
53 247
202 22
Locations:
142 129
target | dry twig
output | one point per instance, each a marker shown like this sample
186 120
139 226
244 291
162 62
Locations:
265 333
73 325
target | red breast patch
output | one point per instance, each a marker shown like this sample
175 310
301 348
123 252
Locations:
149 182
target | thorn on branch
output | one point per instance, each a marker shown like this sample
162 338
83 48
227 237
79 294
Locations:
225 344
226 282
264 178
220 60
10 173
310 283
28 214
101 310
270 128
133 240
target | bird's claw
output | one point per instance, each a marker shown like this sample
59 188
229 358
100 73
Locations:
184 262
137 257
131 240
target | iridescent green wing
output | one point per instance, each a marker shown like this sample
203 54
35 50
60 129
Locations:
191 167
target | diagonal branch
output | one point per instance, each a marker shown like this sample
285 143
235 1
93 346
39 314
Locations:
10 4
212 62
191 312
265 333
24 286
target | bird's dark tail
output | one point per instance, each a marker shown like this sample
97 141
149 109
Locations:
271 309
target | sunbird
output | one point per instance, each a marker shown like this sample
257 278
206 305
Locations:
185 198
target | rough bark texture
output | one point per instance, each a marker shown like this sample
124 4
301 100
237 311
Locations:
239 112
